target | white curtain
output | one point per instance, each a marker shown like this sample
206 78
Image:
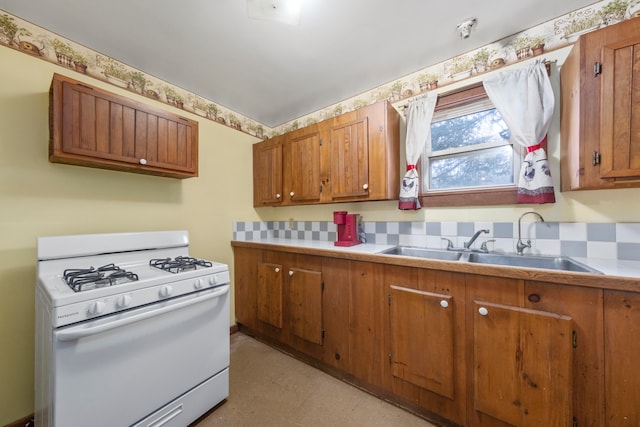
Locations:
418 135
525 100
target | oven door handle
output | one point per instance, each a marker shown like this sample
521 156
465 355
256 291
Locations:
78 332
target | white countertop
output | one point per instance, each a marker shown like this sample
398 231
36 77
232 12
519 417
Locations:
608 267
363 248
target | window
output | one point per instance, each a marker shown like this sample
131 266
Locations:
471 159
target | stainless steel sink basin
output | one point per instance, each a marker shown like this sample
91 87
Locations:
423 253
531 261
527 261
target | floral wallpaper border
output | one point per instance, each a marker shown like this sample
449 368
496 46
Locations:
30 39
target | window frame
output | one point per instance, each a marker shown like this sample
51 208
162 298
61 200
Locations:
473 197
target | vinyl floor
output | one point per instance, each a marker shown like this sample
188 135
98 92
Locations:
269 388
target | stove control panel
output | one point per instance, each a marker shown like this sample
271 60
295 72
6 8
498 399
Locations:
125 299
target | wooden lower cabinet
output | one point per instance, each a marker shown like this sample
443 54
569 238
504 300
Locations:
367 330
426 339
522 365
584 306
622 348
280 296
270 294
457 348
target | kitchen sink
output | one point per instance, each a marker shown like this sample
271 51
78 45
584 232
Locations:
423 253
531 261
527 261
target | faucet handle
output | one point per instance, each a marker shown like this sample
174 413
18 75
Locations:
449 243
483 246
521 246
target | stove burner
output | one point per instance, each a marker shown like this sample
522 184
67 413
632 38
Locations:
83 279
179 264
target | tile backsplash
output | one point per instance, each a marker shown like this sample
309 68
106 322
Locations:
619 241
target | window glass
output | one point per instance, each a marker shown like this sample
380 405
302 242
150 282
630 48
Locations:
470 148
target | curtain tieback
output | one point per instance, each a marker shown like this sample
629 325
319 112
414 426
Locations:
537 146
410 167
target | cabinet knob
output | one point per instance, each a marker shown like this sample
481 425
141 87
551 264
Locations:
143 161
444 304
291 194
277 270
278 196
365 186
483 311
290 272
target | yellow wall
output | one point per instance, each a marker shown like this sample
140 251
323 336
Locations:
38 198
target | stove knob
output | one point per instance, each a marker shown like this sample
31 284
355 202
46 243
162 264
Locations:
198 284
166 291
123 301
96 307
212 281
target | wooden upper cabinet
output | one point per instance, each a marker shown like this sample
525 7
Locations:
96 128
620 125
365 154
600 113
302 166
267 173
351 157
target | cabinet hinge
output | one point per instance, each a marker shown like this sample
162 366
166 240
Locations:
597 69
389 358
574 339
321 188
595 158
322 286
322 333
389 302
321 142
575 422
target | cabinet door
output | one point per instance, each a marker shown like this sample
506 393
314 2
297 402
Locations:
426 344
522 365
585 307
422 330
622 347
246 261
302 166
270 308
305 304
97 128
620 123
350 159
267 172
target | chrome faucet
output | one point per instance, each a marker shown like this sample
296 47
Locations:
521 246
474 237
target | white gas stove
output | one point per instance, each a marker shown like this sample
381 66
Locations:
159 317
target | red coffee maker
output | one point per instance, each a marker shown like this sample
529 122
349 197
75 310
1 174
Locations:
347 228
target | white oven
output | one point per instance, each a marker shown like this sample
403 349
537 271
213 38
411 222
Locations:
137 345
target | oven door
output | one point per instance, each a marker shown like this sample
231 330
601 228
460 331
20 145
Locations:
115 371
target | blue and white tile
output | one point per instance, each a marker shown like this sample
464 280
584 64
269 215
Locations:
603 250
548 247
573 231
628 232
449 229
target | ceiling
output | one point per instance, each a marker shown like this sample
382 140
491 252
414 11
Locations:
273 72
